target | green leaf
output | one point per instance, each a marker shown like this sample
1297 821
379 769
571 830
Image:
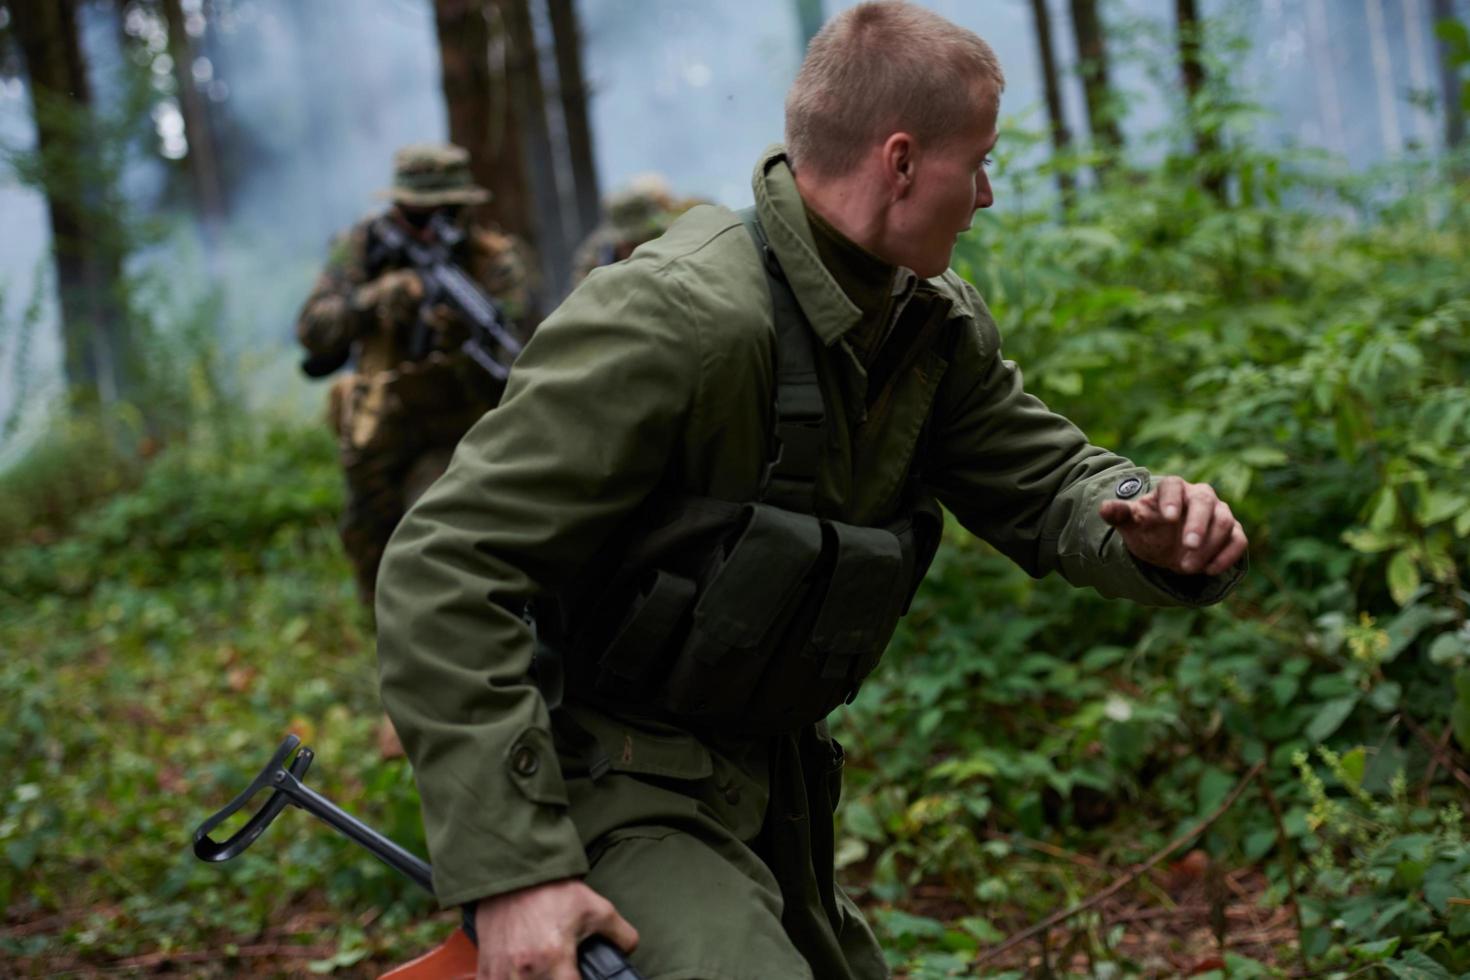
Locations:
1456 38
1440 505
1371 542
1386 696
1258 844
1214 785
1449 649
1377 950
1403 577
858 819
1063 382
1263 457
1415 965
1385 511
1460 713
1330 717
1353 765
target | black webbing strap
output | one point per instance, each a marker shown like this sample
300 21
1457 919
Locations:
790 479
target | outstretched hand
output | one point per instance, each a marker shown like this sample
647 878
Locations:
1180 526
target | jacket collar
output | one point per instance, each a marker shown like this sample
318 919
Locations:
783 217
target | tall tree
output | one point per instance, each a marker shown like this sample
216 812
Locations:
1092 58
809 18
482 118
528 101
571 85
69 170
1383 84
1454 51
1190 32
1061 136
198 127
1324 73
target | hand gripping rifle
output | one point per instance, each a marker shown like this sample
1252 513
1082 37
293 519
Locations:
597 959
445 283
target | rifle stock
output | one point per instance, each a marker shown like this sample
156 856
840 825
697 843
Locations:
597 959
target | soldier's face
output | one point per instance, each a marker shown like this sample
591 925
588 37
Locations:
949 184
420 216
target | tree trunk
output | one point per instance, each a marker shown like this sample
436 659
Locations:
1092 57
198 128
1388 112
1324 71
481 116
572 89
1192 70
528 97
1061 136
1414 14
808 21
1449 82
88 252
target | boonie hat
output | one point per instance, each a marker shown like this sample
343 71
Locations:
433 174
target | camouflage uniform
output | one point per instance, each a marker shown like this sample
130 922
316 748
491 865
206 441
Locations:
638 214
398 418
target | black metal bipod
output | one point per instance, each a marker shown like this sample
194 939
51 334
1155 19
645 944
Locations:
597 958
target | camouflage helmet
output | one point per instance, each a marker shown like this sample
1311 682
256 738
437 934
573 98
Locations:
434 174
640 211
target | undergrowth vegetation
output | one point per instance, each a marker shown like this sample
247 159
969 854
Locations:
1313 363
1306 348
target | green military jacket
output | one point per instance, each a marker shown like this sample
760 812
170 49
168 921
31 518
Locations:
657 373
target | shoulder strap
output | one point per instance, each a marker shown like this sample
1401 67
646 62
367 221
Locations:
800 433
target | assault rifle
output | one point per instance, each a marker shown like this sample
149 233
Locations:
444 283
597 959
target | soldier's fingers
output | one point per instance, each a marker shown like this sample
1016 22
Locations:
1117 513
1200 502
1231 553
605 921
1169 497
1221 525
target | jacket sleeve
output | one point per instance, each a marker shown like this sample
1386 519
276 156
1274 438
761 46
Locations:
1026 480
334 315
591 416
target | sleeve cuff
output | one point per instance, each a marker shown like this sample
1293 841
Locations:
1193 590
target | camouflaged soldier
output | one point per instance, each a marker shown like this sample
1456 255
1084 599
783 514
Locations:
715 481
637 214
409 394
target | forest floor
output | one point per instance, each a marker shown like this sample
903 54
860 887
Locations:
1166 925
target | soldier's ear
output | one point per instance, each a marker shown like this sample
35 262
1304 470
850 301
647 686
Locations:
899 159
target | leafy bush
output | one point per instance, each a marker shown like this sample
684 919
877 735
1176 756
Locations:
1313 363
155 656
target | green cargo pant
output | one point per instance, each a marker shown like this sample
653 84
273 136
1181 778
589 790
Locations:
721 860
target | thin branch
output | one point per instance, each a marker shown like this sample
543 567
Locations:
1429 771
1288 851
1444 755
1123 882
1042 846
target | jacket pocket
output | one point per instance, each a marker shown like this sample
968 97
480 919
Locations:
761 577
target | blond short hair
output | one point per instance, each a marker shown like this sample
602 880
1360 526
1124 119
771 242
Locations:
881 67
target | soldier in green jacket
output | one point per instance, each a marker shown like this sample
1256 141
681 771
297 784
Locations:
711 487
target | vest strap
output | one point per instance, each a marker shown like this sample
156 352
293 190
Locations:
800 431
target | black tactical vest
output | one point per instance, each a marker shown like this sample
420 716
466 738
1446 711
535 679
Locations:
755 617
